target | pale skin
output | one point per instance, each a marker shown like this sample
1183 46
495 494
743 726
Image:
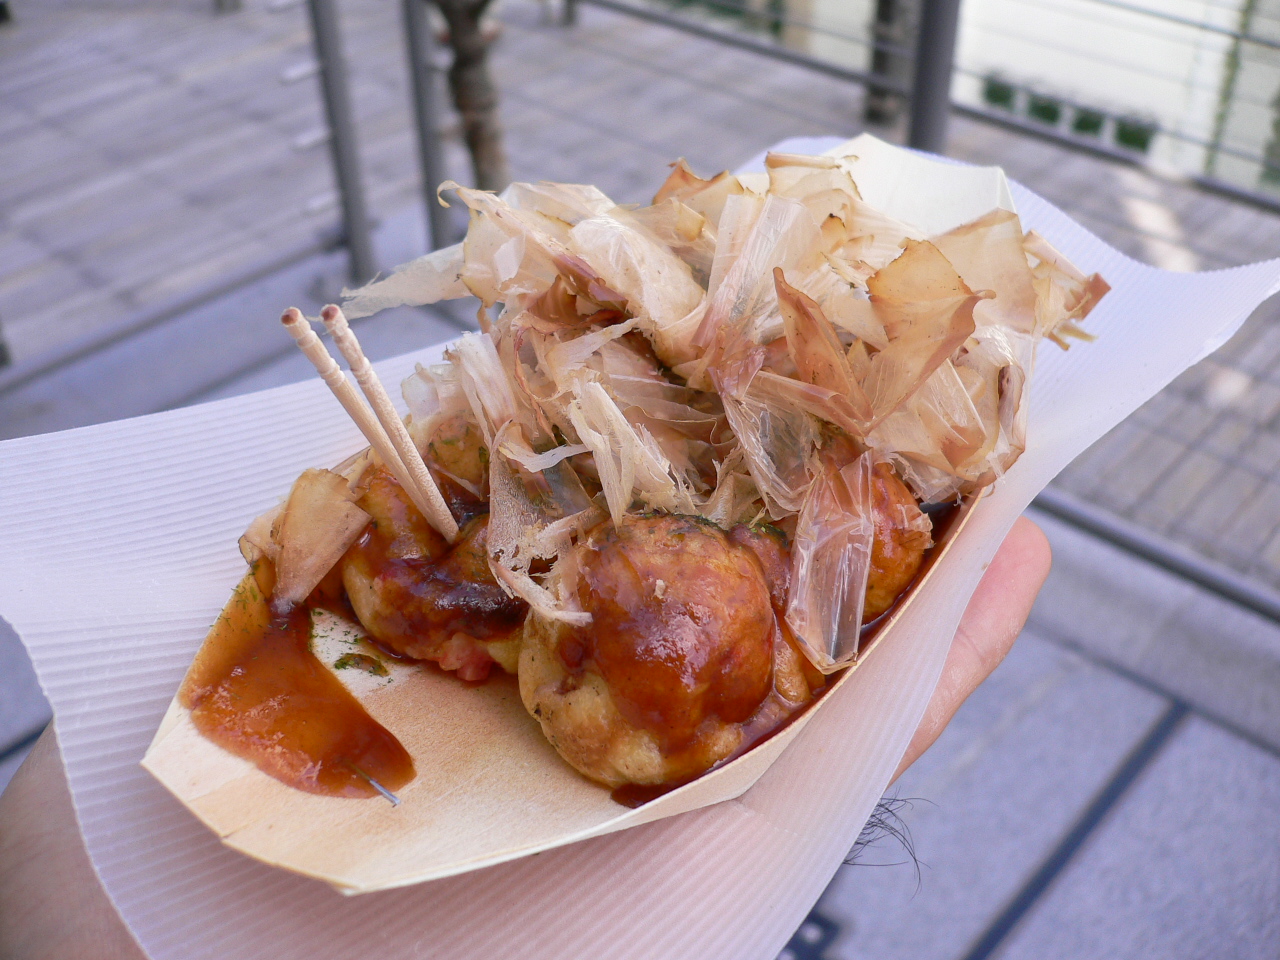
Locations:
52 906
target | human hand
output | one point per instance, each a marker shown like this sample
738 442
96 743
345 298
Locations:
995 616
52 906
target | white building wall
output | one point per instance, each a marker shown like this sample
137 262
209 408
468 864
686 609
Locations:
1123 63
849 17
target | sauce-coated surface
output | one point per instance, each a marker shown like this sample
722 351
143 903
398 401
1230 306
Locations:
682 625
257 690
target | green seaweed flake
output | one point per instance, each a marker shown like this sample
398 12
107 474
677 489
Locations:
361 661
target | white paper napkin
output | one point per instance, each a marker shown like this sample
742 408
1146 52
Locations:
119 550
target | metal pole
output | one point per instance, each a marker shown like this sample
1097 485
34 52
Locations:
931 89
746 42
417 30
569 13
342 138
891 29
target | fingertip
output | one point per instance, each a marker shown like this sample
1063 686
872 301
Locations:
1032 547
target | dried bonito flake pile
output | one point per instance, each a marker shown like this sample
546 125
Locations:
754 347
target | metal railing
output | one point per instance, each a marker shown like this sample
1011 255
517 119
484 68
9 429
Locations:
342 138
928 61
931 57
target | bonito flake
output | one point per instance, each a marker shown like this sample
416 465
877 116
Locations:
746 348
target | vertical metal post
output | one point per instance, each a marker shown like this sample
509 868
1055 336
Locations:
892 32
417 30
569 13
931 87
342 138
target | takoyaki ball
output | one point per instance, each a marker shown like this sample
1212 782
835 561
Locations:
421 598
769 545
396 526
795 679
459 462
901 538
678 656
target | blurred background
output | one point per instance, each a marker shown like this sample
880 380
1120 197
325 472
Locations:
173 172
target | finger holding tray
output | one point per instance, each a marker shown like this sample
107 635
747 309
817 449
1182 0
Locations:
735 877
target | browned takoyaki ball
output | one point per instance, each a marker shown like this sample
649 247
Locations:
678 657
901 539
901 529
459 463
423 599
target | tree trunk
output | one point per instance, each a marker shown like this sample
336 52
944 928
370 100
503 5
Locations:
474 93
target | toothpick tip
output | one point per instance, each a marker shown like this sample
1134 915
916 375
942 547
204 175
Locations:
330 313
292 316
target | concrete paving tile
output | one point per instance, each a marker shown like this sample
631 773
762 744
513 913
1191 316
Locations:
72 97
1240 542
1229 437
29 170
1224 660
23 708
53 69
1218 506
1126 481
173 122
103 218
1198 414
1231 221
18 255
1262 453
34 335
1101 598
1268 561
1166 405
14 121
1261 354
212 154
37 211
224 169
1218 657
1191 381
1178 490
40 288
1186 867
999 789
1262 404
199 268
127 259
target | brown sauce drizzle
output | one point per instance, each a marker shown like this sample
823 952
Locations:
258 691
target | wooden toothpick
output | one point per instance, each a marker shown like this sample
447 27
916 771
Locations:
421 487
353 403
